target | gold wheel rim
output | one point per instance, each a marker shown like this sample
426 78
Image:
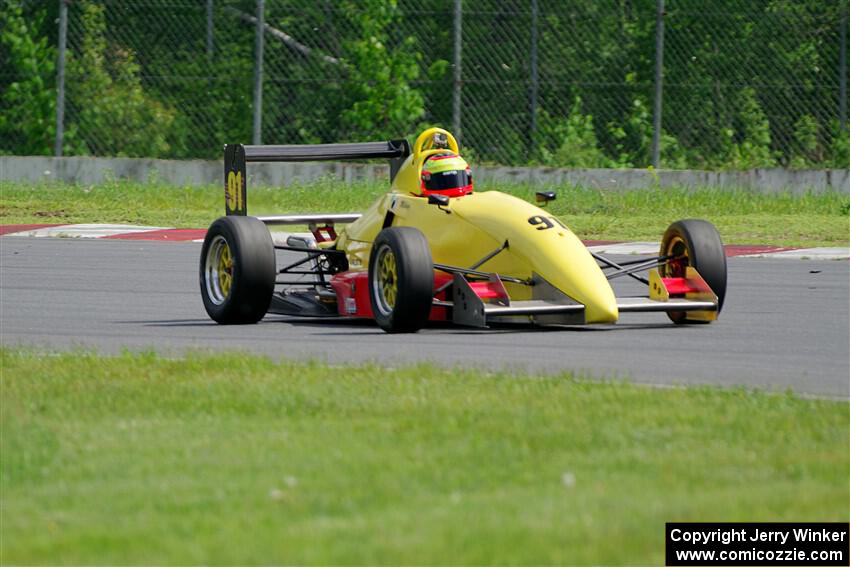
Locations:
225 270
219 270
679 249
388 278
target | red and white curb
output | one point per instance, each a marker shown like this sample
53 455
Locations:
749 251
114 231
165 234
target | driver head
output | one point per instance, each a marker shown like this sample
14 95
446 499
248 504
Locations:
445 174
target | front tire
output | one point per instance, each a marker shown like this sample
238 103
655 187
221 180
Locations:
694 243
401 280
237 270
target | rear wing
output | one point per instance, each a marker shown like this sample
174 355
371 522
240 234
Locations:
237 156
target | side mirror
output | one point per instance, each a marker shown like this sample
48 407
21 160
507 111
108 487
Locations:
439 200
544 196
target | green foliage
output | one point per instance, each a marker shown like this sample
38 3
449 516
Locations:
381 103
673 155
632 140
439 70
633 136
28 103
747 145
355 81
808 149
379 69
112 108
570 141
840 149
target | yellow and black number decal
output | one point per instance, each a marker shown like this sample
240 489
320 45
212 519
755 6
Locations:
235 180
544 223
233 191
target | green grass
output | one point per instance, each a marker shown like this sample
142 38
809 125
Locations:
233 459
743 217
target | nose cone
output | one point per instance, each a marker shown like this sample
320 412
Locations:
603 310
575 272
548 247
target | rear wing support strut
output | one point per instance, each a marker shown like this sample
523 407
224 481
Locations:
237 156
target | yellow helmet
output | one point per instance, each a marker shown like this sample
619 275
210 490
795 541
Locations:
446 174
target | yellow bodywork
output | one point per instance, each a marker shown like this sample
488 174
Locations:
472 226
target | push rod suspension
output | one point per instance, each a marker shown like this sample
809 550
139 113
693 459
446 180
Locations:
477 264
638 267
296 264
455 269
608 262
658 259
299 272
312 251
301 282
489 256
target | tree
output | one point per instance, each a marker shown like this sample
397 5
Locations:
28 100
381 101
112 111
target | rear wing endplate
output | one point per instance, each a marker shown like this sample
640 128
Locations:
236 157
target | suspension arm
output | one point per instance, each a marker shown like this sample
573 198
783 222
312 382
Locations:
621 269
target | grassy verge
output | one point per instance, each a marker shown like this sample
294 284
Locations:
742 217
233 459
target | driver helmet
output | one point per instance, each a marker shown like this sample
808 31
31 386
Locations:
446 174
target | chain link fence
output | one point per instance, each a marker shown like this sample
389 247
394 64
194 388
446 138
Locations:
758 85
547 82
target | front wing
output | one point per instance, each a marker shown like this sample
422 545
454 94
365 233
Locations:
477 303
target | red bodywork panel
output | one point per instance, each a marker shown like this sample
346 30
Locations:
352 294
678 286
324 233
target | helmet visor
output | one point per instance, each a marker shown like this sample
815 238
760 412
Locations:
445 180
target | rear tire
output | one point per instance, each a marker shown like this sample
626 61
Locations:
237 271
697 244
401 280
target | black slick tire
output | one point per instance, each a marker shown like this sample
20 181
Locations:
237 270
401 280
695 243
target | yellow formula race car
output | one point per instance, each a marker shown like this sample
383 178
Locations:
434 249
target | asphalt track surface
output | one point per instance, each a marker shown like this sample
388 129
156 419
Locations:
785 324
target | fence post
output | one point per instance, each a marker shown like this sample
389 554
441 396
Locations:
842 69
458 60
60 78
258 72
659 75
535 80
